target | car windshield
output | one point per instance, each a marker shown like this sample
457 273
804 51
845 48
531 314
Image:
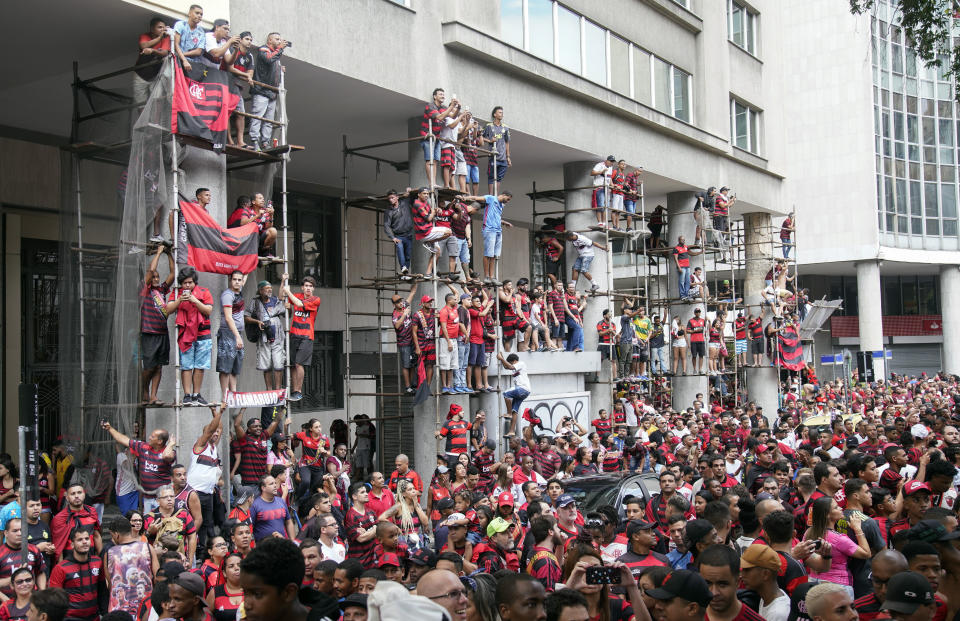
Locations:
592 492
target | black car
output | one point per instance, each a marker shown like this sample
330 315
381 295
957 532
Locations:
610 488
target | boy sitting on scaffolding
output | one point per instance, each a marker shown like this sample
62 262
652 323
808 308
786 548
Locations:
424 213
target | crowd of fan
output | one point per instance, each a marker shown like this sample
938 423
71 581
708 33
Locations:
854 516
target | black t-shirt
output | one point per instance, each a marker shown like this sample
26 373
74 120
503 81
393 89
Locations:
242 62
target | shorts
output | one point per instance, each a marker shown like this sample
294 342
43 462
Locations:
720 223
680 343
197 355
641 352
476 356
154 350
509 326
436 234
558 331
229 356
461 167
583 263
407 359
492 243
630 205
446 360
740 346
429 354
487 357
271 355
301 350
714 345
426 150
599 198
701 217
516 395
698 348
240 107
605 350
501 170
616 201
452 246
552 267
448 158
464 252
757 346
473 173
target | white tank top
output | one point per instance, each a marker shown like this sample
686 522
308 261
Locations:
205 470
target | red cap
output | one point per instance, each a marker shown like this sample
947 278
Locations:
454 410
426 299
505 499
389 559
761 448
912 487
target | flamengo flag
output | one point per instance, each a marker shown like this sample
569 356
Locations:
791 351
202 102
216 250
255 399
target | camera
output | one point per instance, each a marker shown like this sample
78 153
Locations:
289 43
600 574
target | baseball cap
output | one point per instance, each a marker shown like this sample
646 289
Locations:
634 525
193 583
685 584
443 504
396 298
698 529
465 296
724 188
931 531
759 555
906 592
423 557
611 158
426 299
696 311
242 494
354 600
497 525
455 519
390 559
490 444
263 283
442 469
565 499
505 499
912 487
798 602
761 448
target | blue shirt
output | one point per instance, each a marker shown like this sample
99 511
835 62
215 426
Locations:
492 214
189 39
679 561
268 517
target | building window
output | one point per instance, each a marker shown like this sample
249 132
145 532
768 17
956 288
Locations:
743 26
323 379
744 126
550 31
317 239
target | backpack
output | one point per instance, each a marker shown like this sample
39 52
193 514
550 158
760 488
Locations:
252 330
169 528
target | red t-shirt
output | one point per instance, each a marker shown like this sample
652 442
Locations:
476 327
692 325
303 317
451 318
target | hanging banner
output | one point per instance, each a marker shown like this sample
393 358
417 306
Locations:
203 99
791 351
214 249
266 398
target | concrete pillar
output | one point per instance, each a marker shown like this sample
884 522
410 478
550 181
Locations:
577 175
950 299
869 311
681 224
202 168
762 382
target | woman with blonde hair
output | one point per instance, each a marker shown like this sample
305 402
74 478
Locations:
408 515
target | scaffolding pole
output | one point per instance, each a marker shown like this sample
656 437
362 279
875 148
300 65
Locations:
175 168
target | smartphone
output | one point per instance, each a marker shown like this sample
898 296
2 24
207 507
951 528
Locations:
817 543
600 574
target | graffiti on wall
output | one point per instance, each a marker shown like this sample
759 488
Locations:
551 409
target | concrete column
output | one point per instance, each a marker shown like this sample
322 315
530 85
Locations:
577 175
950 299
202 168
681 224
762 382
869 311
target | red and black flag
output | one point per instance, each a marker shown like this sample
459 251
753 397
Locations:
789 348
216 250
203 99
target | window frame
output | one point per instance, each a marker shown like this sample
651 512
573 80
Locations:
750 26
754 126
